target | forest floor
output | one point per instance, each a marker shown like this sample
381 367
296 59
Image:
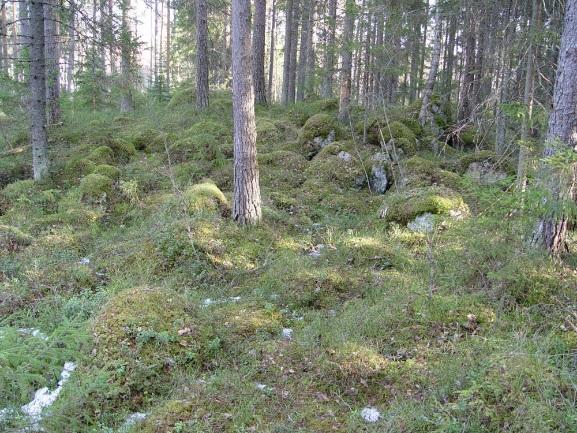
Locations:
332 315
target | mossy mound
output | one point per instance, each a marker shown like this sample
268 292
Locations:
485 156
15 191
319 130
28 197
77 167
185 95
403 207
141 335
96 187
122 150
13 239
205 197
148 139
203 146
102 155
413 125
267 132
331 168
219 130
282 168
167 416
421 172
107 170
379 129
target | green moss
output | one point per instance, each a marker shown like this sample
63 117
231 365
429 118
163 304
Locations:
141 335
122 150
403 207
19 190
167 416
185 95
203 146
485 156
267 132
413 125
12 238
102 155
95 187
396 130
205 197
327 169
107 170
149 140
424 172
78 167
219 130
320 125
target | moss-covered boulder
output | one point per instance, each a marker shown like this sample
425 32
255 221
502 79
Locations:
282 168
77 167
485 167
421 172
219 130
102 155
267 132
404 206
141 335
28 196
318 131
148 139
392 133
96 187
202 146
333 166
107 170
13 239
205 197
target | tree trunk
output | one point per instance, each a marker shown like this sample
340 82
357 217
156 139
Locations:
246 200
293 54
4 55
258 42
347 61
110 25
126 54
466 103
528 98
23 39
52 59
168 42
271 52
310 73
71 47
425 116
551 231
330 51
450 58
504 77
201 55
39 141
287 52
303 51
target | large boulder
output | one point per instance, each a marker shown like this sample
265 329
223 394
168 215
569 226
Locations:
319 131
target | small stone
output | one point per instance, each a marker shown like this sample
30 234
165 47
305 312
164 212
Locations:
345 156
424 223
287 334
370 414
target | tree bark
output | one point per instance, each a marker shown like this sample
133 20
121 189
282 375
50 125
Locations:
425 116
37 108
271 52
287 52
71 47
4 55
23 39
347 61
504 78
201 55
330 50
258 42
310 70
52 59
293 53
551 231
246 201
303 51
168 42
467 100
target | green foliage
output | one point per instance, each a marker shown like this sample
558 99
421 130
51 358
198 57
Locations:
205 197
318 126
96 187
107 170
12 238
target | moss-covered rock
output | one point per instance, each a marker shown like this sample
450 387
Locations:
13 239
102 155
205 197
267 132
330 168
203 146
424 172
148 139
107 170
96 187
413 125
282 168
28 197
122 150
403 207
141 335
78 167
219 130
318 131
485 157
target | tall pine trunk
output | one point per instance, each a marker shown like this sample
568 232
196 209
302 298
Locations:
346 61
126 54
287 52
329 62
258 42
71 47
271 52
293 52
52 59
37 107
246 201
201 55
303 51
551 231
23 39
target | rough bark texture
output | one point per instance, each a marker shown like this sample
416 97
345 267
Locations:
258 41
3 37
271 51
287 52
425 116
551 232
246 201
201 55
293 52
303 51
330 51
23 38
466 104
37 106
347 62
52 58
503 90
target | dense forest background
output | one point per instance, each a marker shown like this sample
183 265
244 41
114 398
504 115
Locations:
274 216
